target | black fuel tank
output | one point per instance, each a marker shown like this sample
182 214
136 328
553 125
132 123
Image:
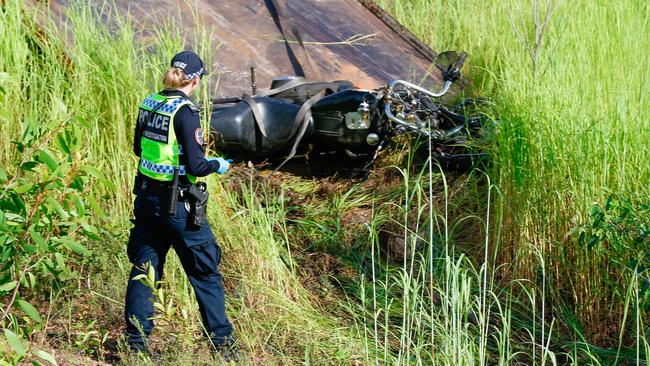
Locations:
235 127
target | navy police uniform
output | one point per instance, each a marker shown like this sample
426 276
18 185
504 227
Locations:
155 231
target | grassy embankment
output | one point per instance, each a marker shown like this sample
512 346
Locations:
573 135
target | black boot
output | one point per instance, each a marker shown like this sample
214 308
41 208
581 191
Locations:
146 354
227 349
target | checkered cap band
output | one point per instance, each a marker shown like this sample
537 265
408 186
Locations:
161 168
195 74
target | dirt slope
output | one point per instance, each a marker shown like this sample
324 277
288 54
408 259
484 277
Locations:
248 32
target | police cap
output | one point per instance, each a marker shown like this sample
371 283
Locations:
190 63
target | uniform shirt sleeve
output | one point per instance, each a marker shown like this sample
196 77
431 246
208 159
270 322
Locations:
190 136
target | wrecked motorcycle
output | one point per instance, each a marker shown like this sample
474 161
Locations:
328 117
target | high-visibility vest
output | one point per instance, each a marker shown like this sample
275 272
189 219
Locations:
160 147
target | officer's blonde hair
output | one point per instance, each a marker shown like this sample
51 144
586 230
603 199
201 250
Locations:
175 78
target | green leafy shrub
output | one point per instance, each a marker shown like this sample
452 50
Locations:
619 229
45 223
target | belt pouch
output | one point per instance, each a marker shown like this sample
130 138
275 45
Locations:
199 211
198 197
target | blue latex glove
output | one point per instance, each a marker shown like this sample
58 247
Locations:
224 164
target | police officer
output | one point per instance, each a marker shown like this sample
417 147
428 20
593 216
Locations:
169 140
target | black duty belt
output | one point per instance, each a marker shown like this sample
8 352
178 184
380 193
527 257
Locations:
151 186
195 195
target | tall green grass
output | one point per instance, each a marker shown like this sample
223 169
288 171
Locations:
573 137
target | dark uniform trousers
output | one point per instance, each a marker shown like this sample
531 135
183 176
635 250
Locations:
151 237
